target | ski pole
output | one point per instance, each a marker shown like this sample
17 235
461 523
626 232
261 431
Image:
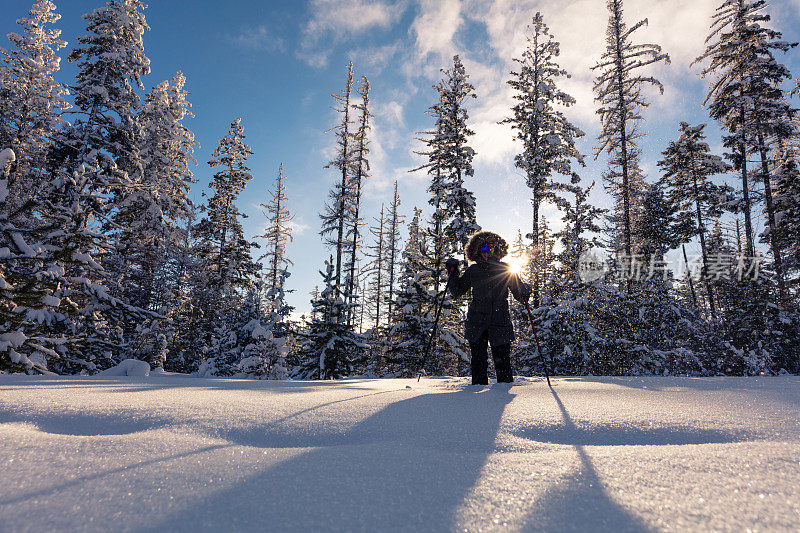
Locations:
438 304
536 336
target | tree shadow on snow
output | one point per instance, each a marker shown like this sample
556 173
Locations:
581 503
676 383
418 460
85 425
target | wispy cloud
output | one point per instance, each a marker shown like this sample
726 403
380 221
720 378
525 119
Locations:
258 38
436 25
297 226
374 60
333 21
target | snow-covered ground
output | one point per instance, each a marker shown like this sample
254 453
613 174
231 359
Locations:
166 453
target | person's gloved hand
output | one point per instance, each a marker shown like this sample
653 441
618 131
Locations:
452 266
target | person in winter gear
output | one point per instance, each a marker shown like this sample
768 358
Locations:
488 316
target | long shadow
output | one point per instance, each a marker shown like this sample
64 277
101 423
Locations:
96 425
50 491
174 381
85 424
407 467
581 504
659 383
109 423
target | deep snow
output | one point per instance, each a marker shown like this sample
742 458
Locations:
180 453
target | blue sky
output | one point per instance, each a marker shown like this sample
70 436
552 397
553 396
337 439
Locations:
275 64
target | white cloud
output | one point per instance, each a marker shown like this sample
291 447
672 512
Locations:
258 38
389 113
374 60
679 26
436 25
332 21
297 226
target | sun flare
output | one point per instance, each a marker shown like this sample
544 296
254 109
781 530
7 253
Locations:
515 264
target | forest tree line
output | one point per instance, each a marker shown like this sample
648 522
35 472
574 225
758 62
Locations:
103 255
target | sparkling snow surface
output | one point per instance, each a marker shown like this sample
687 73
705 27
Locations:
176 453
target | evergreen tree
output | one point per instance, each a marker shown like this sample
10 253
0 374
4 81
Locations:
745 96
359 174
226 268
786 178
619 91
759 336
453 219
336 212
150 221
410 332
393 252
31 101
547 136
277 233
105 134
330 348
456 156
74 312
579 217
688 166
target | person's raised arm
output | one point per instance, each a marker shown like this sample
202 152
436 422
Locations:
457 284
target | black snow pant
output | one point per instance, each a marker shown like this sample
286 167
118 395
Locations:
480 361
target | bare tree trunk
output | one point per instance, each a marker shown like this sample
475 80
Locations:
773 226
689 276
748 225
701 229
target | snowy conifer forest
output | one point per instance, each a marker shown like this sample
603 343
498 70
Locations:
105 258
169 361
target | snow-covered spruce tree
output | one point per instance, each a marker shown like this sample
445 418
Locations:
80 318
330 348
579 217
183 314
547 136
266 343
360 172
277 233
565 321
224 253
150 220
659 229
619 91
393 253
31 101
410 331
760 337
688 165
786 179
105 133
376 271
745 94
453 217
455 158
335 214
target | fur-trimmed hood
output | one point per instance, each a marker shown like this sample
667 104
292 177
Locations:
473 249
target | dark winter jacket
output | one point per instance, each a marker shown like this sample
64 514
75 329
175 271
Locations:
490 282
